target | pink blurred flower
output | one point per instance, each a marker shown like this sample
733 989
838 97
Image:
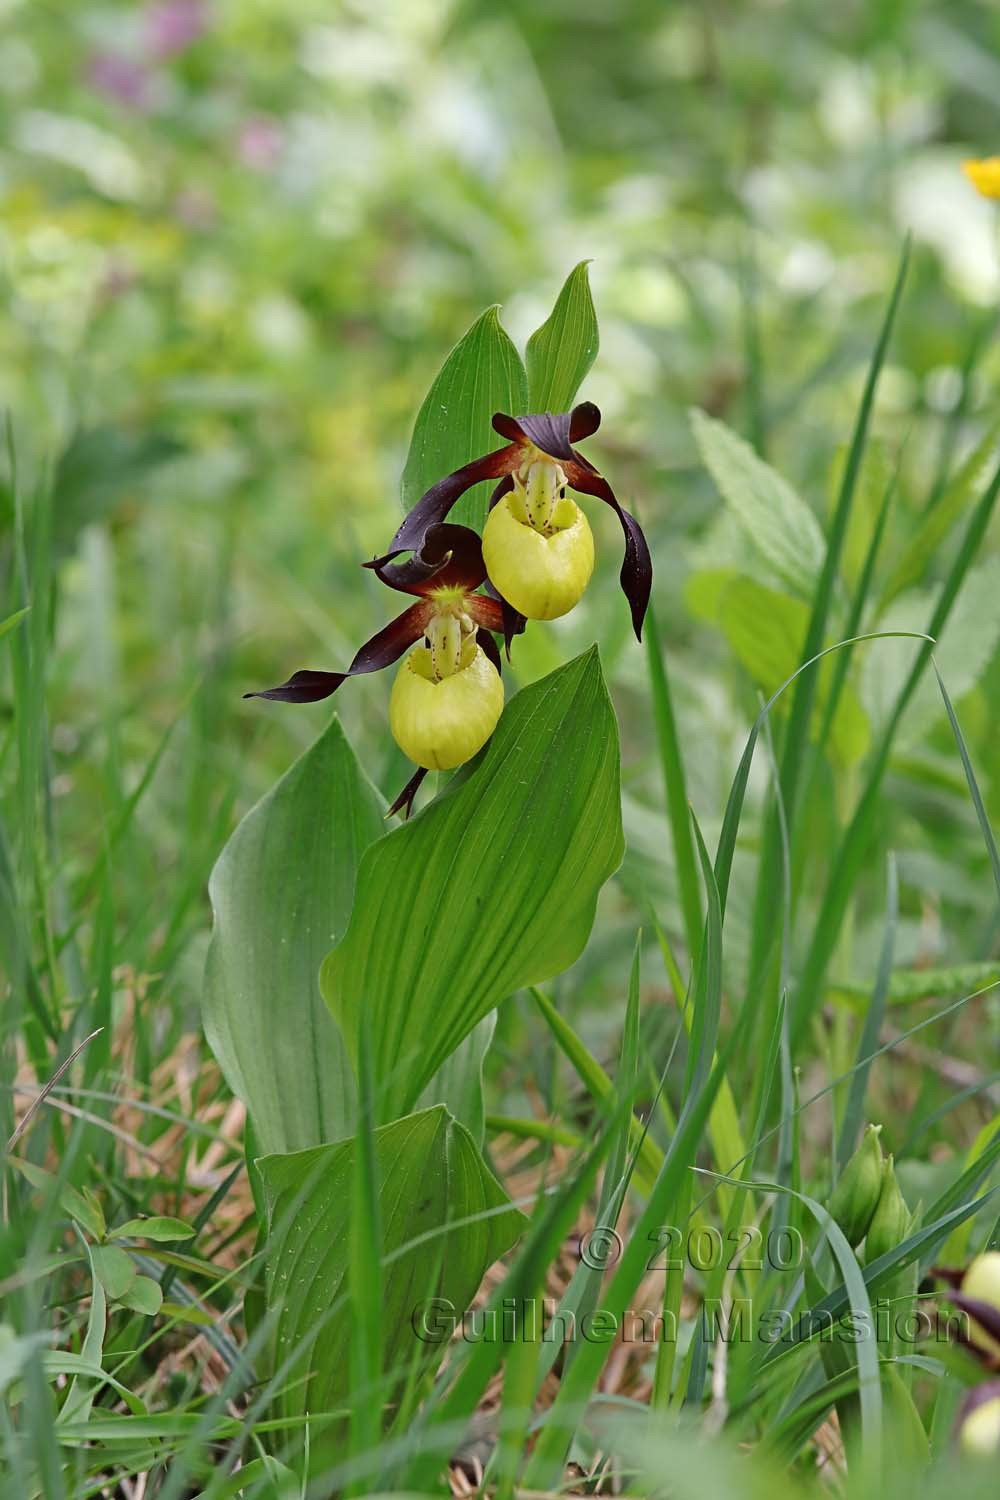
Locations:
172 25
121 78
259 142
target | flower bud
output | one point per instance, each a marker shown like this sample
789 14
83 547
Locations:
853 1201
891 1218
442 722
979 1421
981 1283
543 575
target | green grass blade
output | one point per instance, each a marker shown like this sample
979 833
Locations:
874 1017
674 784
853 847
797 733
970 776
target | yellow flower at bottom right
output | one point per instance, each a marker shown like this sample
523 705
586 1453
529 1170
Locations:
984 175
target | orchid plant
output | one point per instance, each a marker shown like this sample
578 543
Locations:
435 922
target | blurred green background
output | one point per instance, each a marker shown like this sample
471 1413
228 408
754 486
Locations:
238 238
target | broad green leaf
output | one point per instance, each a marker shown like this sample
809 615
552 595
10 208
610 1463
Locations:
445 1219
160 1228
483 374
281 893
765 629
114 1269
86 1212
458 1082
143 1296
964 650
775 520
561 352
491 887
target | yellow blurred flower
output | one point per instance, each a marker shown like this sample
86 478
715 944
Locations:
984 175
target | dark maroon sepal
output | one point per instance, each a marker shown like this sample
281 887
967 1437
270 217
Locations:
449 557
404 802
511 622
303 687
984 1313
636 576
488 642
432 508
584 421
503 488
554 433
387 646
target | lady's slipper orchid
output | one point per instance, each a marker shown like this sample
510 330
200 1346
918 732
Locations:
447 696
537 544
978 1296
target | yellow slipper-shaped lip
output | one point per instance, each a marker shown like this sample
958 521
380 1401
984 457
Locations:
442 724
543 577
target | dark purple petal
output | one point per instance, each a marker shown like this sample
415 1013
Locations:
404 802
584 421
508 427
513 623
552 432
451 557
381 651
503 488
978 1396
636 574
984 1313
303 687
432 507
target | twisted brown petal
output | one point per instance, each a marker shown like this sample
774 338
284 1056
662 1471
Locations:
432 507
551 432
984 1313
487 642
449 557
636 576
486 611
381 651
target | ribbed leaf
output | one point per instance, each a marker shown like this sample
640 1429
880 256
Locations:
492 887
561 352
483 374
281 893
774 519
444 1219
766 629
